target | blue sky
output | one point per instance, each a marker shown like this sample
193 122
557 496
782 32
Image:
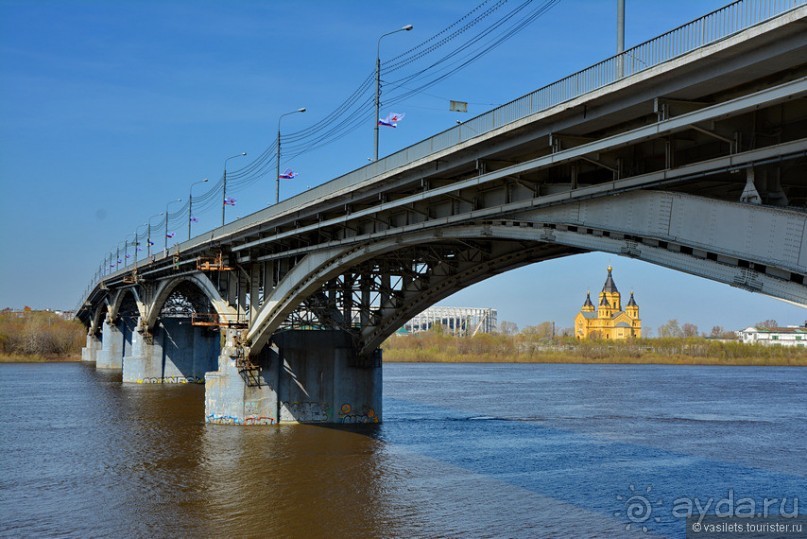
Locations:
108 110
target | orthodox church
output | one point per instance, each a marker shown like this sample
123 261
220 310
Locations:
608 320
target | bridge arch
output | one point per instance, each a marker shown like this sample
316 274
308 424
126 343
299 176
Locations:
200 282
316 269
649 226
99 315
129 295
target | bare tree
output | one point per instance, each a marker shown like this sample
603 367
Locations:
544 330
690 330
767 324
508 328
670 329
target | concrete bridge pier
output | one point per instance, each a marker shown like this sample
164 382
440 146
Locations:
175 352
309 377
111 354
92 348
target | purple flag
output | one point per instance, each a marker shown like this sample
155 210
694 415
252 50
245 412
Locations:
229 201
289 174
391 120
169 235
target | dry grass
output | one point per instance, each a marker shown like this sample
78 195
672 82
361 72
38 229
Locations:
440 348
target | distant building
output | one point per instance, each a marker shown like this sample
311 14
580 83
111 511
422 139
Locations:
608 320
787 336
454 320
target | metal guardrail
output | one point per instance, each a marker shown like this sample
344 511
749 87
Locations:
706 30
711 28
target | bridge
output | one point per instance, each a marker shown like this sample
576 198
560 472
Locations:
688 151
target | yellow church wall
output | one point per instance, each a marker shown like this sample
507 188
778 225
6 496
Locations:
603 325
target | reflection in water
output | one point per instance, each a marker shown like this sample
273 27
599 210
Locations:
465 450
302 480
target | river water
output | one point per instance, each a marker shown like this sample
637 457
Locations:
464 451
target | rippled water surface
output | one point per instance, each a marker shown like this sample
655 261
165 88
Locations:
465 451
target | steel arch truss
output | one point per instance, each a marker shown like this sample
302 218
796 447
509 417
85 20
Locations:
371 291
372 288
374 298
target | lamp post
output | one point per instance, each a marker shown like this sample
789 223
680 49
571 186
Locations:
277 165
148 234
118 260
126 251
165 237
378 82
620 38
224 190
137 243
190 205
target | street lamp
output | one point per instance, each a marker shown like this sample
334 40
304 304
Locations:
277 169
224 190
126 250
148 234
378 82
165 238
190 205
137 243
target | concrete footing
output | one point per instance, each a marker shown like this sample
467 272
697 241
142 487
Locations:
310 377
111 354
90 352
175 353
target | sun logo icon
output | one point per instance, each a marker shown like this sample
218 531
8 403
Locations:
638 508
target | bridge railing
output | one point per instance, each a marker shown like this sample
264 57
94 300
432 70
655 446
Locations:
711 28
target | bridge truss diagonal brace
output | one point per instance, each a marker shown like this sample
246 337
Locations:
316 269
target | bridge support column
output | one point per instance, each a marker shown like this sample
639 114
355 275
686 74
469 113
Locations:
311 377
111 354
175 353
90 352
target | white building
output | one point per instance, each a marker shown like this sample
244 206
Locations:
788 336
454 320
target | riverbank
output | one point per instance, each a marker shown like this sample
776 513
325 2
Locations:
436 348
397 357
20 358
39 336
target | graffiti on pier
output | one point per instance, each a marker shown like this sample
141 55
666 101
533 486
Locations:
172 380
232 420
308 412
259 420
348 415
223 419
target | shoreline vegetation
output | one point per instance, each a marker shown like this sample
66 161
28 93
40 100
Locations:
435 347
39 336
43 336
20 358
